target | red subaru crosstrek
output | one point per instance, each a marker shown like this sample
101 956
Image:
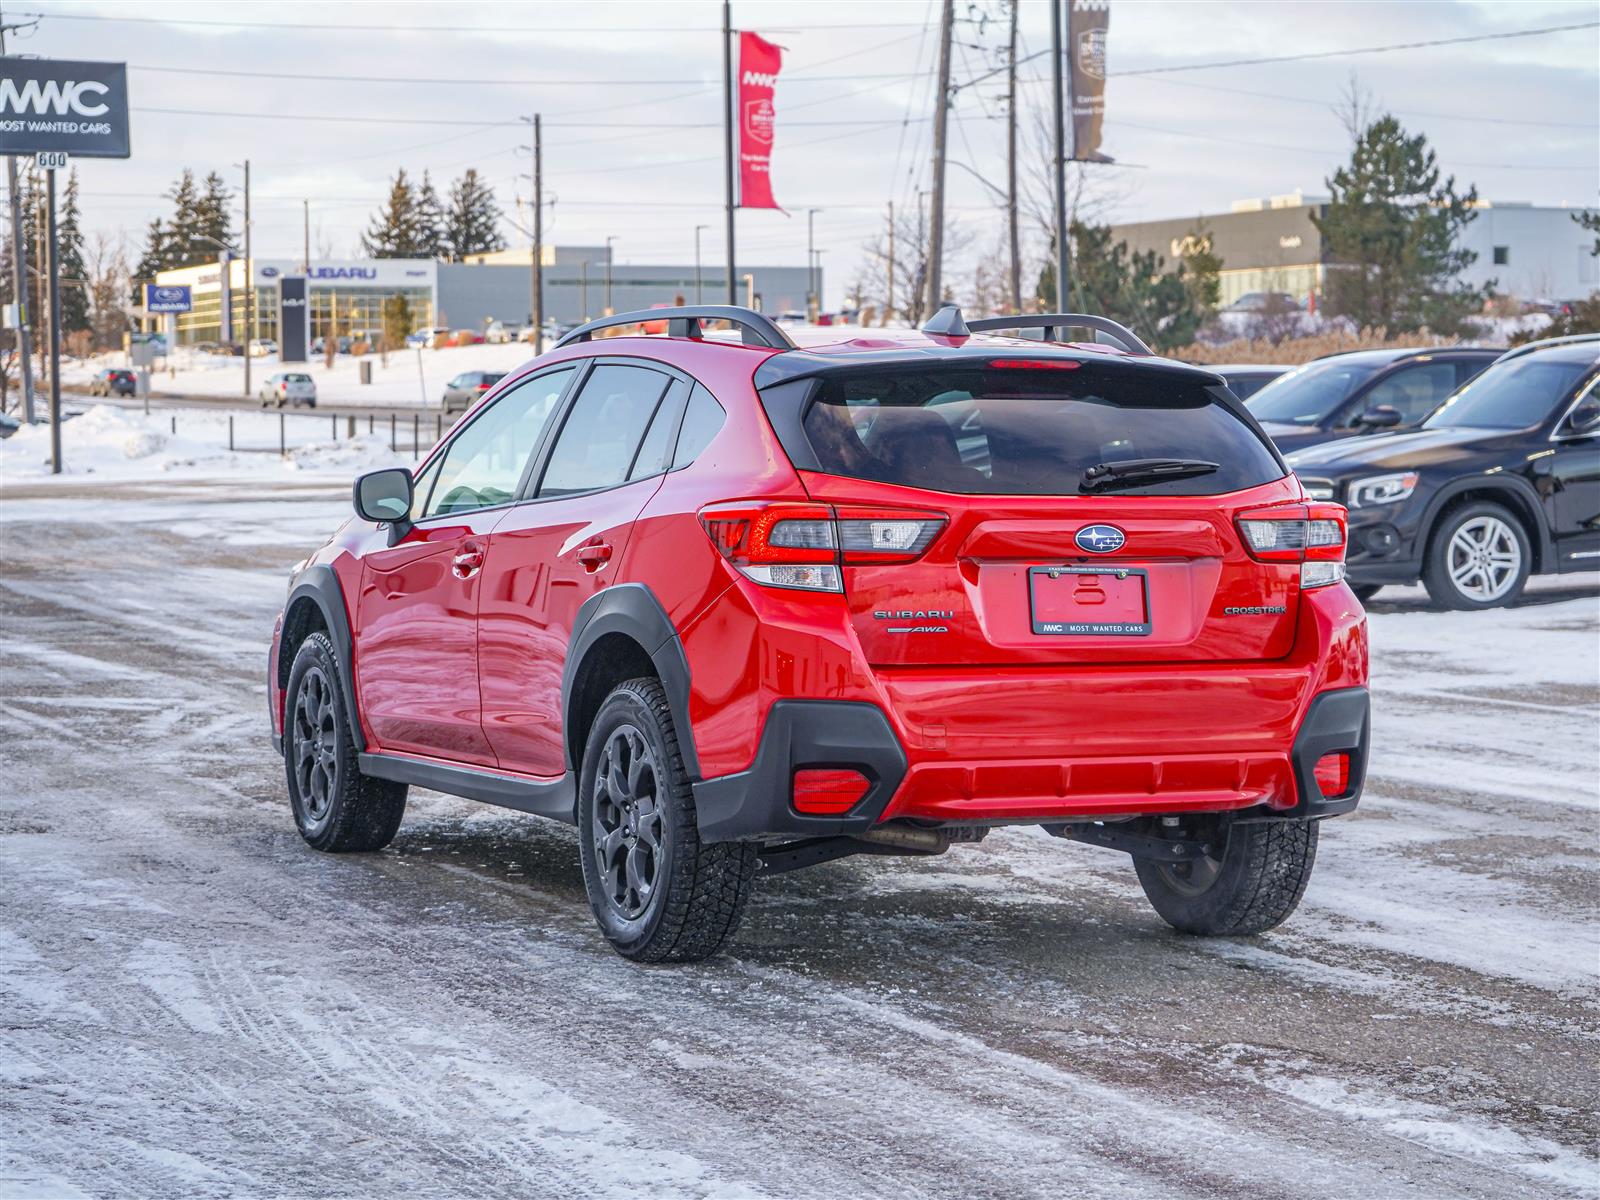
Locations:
733 606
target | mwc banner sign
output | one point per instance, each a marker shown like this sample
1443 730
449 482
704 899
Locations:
759 63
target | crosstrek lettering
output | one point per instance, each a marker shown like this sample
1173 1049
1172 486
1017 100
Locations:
739 607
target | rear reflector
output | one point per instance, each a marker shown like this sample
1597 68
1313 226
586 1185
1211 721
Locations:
1332 774
828 792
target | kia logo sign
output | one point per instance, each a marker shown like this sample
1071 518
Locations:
1100 539
54 104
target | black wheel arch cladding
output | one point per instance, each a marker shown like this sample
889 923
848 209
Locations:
318 586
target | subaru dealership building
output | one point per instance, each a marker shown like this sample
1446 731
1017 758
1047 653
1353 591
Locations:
348 297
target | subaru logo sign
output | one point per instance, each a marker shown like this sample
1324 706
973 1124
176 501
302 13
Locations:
1100 539
269 272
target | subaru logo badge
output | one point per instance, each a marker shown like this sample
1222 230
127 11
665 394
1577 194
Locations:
1100 539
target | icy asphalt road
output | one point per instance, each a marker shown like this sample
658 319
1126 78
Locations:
193 1003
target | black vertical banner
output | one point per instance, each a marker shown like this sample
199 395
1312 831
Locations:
1086 75
294 320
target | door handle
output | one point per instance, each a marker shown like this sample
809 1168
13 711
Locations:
467 563
594 555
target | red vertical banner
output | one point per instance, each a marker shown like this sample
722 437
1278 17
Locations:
759 63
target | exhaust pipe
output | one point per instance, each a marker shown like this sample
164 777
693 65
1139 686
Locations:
907 838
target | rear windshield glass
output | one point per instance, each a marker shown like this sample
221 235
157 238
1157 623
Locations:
298 378
1011 431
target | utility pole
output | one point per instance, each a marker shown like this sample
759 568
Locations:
19 268
888 300
538 236
699 298
583 288
305 206
249 283
940 124
1060 155
1011 163
727 139
609 310
54 272
813 280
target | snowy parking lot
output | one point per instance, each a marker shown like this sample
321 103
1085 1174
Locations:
194 1003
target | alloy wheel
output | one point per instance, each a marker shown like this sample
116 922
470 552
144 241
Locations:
315 745
627 822
1484 559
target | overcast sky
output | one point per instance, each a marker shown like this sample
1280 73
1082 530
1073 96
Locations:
630 94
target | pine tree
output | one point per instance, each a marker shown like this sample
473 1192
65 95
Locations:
431 217
153 259
1164 307
1391 235
74 274
401 227
472 220
180 251
211 216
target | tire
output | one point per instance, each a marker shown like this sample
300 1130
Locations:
1478 557
1366 591
336 807
659 893
1253 887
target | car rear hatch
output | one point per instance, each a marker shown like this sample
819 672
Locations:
979 524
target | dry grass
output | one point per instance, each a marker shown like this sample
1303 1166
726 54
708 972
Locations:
1293 351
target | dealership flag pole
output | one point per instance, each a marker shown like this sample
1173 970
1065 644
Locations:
538 237
727 138
1056 91
249 283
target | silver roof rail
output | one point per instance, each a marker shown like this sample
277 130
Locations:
684 322
1055 326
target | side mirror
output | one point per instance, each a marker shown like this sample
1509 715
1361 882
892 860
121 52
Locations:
384 497
1383 416
1585 418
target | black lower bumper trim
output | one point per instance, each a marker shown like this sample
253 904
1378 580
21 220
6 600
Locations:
754 804
1340 720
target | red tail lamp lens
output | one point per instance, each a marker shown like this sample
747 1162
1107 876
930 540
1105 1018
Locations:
828 792
1034 364
1332 774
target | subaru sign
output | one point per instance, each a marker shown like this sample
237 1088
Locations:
1100 539
166 298
61 104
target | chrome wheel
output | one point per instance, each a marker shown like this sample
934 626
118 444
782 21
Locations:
314 746
627 822
1484 559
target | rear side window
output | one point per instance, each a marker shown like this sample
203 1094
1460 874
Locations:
608 420
701 422
1010 431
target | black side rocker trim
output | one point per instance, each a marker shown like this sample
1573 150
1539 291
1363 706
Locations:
754 804
1340 720
556 799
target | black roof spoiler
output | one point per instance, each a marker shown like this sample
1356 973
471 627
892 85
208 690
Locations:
1055 326
684 322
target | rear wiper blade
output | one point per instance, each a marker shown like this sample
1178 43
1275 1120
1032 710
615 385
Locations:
1142 470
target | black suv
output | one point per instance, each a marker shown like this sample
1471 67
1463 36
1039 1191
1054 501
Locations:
1500 483
1362 391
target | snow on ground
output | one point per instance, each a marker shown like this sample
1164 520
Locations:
113 443
191 1002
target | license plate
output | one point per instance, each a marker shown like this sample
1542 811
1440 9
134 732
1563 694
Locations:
1090 601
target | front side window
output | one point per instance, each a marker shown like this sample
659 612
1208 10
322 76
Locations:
603 430
483 464
1414 392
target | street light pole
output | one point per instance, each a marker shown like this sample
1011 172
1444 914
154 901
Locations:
249 283
813 301
583 288
699 297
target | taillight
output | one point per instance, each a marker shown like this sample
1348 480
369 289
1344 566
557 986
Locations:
828 792
484 387
1312 535
795 545
1034 364
1332 774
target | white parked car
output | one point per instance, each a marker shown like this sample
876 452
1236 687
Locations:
498 333
428 338
262 347
289 389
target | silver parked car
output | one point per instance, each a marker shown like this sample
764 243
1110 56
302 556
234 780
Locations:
288 388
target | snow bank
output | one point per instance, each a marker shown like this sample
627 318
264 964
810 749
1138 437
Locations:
118 443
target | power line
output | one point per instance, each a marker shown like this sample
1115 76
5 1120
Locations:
443 81
1312 54
299 27
662 126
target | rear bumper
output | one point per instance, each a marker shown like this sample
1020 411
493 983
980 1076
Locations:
755 804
